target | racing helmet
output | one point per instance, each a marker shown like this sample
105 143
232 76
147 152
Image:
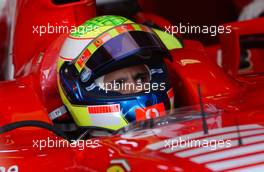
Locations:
109 44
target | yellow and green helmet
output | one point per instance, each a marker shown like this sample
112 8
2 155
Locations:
104 44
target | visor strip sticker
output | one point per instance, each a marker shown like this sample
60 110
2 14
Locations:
102 109
103 38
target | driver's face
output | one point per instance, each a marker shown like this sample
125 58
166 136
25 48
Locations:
134 75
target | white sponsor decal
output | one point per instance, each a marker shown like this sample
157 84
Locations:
13 168
57 112
105 114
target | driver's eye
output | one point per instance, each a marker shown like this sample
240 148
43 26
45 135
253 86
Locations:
141 78
119 81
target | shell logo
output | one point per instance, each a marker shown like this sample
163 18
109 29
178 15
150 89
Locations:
119 165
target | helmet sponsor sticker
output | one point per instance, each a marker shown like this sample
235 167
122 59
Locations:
102 39
98 43
154 111
84 57
86 74
102 109
125 28
105 115
145 29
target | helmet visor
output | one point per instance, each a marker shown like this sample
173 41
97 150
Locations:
144 44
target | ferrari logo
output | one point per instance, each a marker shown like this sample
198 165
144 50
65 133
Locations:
119 165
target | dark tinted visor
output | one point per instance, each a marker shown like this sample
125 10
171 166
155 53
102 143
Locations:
125 45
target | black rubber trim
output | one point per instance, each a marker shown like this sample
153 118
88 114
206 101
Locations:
31 123
62 2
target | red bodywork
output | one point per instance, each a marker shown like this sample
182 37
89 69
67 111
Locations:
33 94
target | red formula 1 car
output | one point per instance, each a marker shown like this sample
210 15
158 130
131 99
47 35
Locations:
218 125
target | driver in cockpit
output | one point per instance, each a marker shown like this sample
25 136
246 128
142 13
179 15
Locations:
119 75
